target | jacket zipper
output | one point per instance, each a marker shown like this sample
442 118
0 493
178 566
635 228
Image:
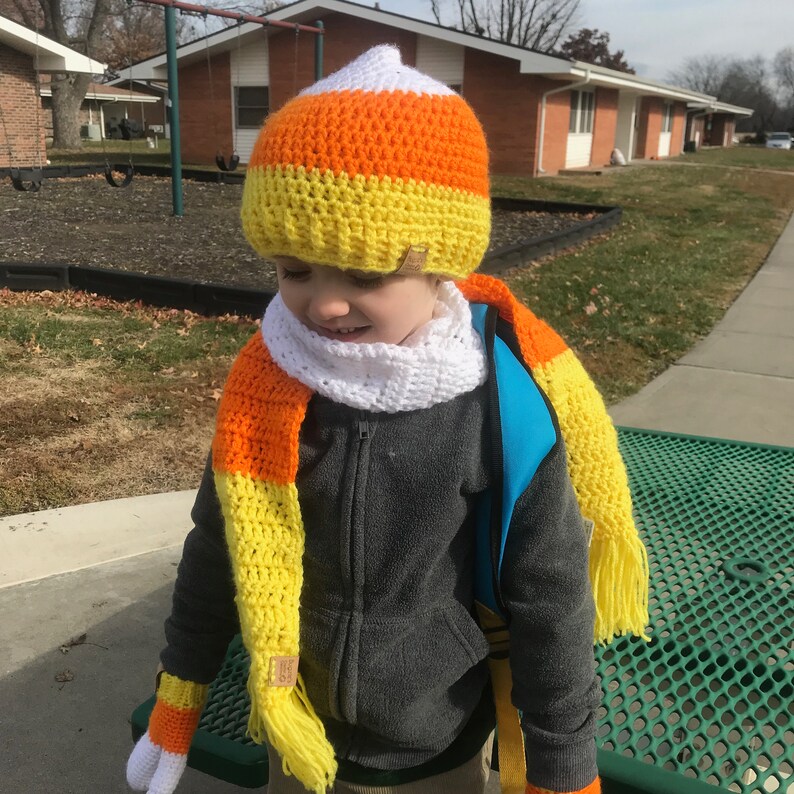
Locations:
353 628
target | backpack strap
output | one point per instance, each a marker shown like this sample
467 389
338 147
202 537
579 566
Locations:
522 431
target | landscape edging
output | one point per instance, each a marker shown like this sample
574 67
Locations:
212 299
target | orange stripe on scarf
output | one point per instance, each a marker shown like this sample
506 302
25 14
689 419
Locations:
539 343
259 418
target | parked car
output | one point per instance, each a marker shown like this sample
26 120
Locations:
778 140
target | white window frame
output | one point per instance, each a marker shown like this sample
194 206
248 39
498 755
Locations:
667 117
582 112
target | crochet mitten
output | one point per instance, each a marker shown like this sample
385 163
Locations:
159 758
593 788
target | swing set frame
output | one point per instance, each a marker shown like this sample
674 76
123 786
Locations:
171 7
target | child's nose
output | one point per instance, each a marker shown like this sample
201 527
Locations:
329 305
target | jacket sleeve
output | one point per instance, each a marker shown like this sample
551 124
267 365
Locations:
203 616
546 588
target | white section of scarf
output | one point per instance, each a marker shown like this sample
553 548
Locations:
440 361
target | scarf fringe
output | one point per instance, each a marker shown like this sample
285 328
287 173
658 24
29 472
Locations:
619 577
293 728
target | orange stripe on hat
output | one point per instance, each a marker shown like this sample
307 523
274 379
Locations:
432 139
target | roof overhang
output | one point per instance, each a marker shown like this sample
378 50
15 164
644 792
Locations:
114 96
307 11
719 107
50 55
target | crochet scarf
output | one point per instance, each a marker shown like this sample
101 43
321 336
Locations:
255 461
438 362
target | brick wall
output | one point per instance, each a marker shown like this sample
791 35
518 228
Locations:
506 103
650 127
23 132
604 125
722 127
679 121
205 116
346 38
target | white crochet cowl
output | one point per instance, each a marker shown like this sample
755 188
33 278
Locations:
441 360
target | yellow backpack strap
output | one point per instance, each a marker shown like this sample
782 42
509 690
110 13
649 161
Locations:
512 759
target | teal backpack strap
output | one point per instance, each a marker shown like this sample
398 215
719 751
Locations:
523 431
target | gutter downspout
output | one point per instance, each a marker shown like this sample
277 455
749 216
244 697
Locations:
569 87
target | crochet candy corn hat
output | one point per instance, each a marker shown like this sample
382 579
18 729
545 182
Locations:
376 167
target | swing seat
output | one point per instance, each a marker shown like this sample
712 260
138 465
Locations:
127 170
27 180
234 161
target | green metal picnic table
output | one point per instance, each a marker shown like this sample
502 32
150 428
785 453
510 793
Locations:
708 701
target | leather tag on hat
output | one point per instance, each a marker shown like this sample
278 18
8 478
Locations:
414 261
283 671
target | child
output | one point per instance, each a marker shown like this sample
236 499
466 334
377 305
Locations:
334 526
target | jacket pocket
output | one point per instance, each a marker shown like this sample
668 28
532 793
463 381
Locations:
320 632
420 677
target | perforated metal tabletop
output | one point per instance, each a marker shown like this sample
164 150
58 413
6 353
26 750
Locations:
709 699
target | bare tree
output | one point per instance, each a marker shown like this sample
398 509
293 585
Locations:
705 74
104 30
744 82
535 24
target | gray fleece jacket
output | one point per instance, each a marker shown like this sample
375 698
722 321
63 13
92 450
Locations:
392 657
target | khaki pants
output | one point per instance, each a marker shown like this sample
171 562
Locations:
470 778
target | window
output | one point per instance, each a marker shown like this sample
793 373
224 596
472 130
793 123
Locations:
582 111
253 103
667 117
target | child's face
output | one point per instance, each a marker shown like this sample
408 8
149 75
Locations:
356 306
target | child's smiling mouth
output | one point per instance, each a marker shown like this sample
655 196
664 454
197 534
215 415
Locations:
343 334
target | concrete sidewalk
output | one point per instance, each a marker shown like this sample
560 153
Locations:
738 382
106 570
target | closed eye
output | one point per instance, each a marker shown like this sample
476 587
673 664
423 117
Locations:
367 283
295 275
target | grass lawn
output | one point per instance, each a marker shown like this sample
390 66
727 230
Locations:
744 156
635 301
103 400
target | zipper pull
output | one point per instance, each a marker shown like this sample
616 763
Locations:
363 429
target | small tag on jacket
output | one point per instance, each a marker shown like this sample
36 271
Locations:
283 670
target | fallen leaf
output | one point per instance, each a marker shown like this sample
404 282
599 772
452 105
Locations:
216 394
64 676
97 342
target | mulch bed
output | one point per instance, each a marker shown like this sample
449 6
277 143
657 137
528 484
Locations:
85 222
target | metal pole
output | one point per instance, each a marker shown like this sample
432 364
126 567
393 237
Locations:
173 98
319 40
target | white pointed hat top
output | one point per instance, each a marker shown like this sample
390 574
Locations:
379 69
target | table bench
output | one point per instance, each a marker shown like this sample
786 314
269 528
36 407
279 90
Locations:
708 702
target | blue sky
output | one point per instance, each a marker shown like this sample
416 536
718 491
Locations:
658 35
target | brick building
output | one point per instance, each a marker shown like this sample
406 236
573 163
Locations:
541 113
22 120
